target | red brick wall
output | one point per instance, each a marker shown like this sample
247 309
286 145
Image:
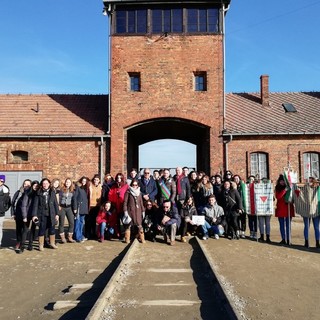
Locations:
280 150
55 158
167 89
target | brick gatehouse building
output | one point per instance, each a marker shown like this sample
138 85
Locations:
166 82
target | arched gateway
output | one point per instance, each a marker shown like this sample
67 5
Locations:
169 128
166 77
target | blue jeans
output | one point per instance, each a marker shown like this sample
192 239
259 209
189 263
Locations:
315 221
206 228
102 227
78 228
285 227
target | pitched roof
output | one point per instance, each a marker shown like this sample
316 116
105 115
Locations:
53 114
245 114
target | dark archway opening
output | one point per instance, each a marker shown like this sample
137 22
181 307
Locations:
169 128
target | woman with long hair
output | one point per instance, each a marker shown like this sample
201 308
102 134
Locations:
116 197
67 209
81 203
284 211
134 208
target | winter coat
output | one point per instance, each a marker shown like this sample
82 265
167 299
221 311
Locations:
17 203
5 200
81 201
95 195
133 205
27 203
230 201
283 207
188 211
151 188
171 186
213 214
185 190
172 214
108 217
116 197
39 207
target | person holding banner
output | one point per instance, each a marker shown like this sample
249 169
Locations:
306 199
214 219
284 211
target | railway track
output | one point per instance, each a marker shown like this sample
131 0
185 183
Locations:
156 281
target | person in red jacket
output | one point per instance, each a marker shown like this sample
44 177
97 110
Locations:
116 197
106 221
284 211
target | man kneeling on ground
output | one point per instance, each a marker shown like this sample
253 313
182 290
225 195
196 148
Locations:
169 221
214 215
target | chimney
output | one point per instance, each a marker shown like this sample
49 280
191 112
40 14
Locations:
264 90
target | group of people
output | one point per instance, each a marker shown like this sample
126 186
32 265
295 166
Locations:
149 204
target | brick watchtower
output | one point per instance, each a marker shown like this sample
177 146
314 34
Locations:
166 77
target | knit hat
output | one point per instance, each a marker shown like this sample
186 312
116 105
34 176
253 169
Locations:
3 177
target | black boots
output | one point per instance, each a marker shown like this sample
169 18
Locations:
261 239
306 243
268 239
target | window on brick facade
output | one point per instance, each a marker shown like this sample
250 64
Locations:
259 165
20 155
131 21
167 20
202 20
311 165
200 81
135 81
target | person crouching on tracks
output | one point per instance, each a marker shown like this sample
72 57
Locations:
169 221
150 220
46 210
187 211
106 222
214 219
133 212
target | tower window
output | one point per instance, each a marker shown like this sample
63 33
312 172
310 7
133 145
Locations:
131 21
200 81
167 20
135 81
202 20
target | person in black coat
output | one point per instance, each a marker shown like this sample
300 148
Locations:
232 206
46 211
81 203
19 215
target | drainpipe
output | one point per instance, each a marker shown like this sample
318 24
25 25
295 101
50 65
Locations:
224 131
108 11
101 158
224 12
227 138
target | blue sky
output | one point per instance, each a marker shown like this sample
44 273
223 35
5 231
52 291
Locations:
60 46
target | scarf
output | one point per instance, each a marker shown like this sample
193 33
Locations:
179 188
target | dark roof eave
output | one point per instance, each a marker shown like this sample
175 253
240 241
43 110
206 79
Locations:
53 136
106 2
234 134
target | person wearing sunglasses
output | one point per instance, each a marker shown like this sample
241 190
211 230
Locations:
133 212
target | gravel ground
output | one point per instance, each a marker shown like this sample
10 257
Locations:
265 281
